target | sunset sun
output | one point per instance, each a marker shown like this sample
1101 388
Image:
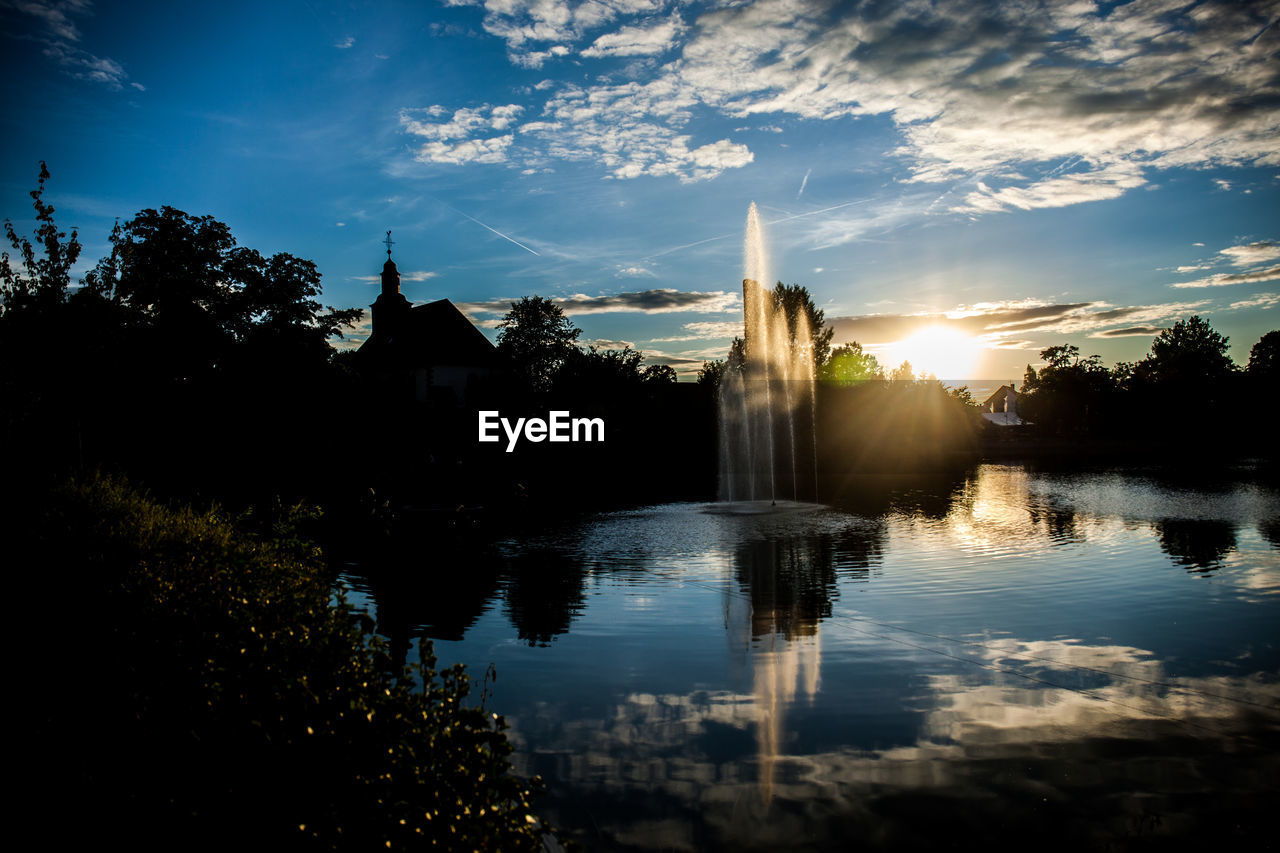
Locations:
944 353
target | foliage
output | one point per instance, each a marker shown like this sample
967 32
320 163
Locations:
233 699
658 374
537 339
849 364
903 373
794 301
711 374
1069 393
39 281
181 357
1189 352
1264 357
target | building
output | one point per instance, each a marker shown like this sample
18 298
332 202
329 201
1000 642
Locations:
432 348
1001 408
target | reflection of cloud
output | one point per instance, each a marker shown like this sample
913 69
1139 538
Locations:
981 738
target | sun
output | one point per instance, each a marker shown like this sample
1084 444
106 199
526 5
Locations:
944 353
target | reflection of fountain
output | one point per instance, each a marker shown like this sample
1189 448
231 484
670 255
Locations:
763 398
789 585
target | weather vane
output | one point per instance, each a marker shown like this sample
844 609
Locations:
389 243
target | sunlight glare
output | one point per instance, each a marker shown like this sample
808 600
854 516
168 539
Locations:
944 353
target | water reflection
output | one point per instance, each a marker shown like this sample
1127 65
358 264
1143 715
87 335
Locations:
1005 651
1197 544
542 592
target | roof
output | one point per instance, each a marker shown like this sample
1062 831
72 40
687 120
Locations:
437 334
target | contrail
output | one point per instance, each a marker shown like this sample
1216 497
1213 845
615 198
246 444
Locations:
804 183
787 218
494 230
816 212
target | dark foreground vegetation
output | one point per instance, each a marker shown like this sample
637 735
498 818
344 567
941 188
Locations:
207 692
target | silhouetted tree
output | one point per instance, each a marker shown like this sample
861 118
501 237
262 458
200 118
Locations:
1264 357
537 338
794 300
40 281
1189 353
658 374
903 373
1067 394
711 374
849 364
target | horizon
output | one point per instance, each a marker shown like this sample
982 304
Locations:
1015 180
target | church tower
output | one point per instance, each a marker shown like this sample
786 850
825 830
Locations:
390 309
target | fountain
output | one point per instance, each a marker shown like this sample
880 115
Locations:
767 393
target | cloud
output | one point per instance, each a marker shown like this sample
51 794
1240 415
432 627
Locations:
1224 279
1261 300
1252 253
1028 106
1130 332
636 41
713 330
344 43
417 275
658 301
1005 325
604 343
472 129
61 35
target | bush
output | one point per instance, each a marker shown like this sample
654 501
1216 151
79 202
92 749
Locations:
230 698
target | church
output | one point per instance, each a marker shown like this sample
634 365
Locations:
433 346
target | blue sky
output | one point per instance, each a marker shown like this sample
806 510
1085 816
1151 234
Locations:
1023 174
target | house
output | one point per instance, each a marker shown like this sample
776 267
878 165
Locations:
1001 408
433 347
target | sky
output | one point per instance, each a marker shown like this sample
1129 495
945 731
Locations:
964 183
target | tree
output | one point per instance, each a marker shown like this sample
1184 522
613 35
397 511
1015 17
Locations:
794 301
658 374
903 373
537 338
1069 393
711 374
1189 353
1264 357
850 363
41 281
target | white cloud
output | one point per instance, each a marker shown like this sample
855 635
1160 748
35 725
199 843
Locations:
61 34
1039 105
1261 300
1224 279
1252 253
344 43
637 41
710 330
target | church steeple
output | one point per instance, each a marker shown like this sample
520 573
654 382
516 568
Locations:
390 307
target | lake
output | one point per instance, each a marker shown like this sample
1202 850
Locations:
1014 655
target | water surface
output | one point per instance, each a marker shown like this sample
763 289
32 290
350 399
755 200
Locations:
1018 656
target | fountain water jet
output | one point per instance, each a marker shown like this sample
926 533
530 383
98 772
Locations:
767 400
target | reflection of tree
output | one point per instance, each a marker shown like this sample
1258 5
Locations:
1198 545
543 592
1059 521
930 495
791 583
440 595
1270 530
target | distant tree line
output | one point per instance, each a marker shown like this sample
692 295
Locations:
1185 388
